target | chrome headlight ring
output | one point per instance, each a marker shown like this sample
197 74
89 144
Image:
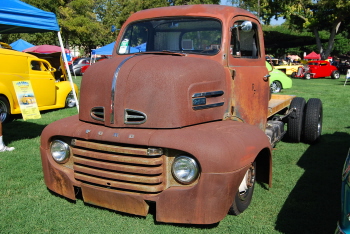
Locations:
185 169
60 151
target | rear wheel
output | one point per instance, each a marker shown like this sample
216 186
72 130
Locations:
5 113
335 75
70 100
245 192
296 119
313 120
275 86
293 75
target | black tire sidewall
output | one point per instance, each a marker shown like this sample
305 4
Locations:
8 112
313 120
296 120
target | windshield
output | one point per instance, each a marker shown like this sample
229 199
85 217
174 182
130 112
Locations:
186 35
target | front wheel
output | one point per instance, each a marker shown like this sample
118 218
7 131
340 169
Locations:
5 113
70 100
245 192
335 75
275 86
293 75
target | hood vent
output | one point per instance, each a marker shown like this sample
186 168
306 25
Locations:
98 113
134 117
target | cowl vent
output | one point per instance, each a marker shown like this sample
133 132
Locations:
134 117
98 113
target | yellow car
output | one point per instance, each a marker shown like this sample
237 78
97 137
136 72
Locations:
50 86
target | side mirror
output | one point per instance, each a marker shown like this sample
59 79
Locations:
52 69
246 26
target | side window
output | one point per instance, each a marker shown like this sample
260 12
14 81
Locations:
244 40
134 40
35 65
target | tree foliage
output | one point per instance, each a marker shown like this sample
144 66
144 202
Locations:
310 15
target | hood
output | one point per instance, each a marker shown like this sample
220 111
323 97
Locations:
153 91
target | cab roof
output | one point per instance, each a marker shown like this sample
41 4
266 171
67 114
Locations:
223 13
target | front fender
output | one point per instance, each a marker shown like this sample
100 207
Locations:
62 90
220 147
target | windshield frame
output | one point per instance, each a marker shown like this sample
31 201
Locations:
183 40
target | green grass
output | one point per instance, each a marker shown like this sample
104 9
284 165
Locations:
305 197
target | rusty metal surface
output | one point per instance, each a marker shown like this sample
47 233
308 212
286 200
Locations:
206 203
224 149
123 202
189 75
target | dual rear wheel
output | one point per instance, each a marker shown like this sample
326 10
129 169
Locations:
305 121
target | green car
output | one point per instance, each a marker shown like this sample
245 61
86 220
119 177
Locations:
278 79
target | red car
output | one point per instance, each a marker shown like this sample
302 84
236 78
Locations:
317 69
83 69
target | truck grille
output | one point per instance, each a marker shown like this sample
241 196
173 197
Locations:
118 167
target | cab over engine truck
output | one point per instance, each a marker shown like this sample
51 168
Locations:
180 118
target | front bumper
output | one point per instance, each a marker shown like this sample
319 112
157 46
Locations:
205 202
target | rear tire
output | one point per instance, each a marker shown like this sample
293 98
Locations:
293 75
5 113
245 192
296 119
313 120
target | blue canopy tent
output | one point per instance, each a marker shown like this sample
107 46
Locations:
21 45
105 50
19 17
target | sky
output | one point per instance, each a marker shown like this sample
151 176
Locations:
273 22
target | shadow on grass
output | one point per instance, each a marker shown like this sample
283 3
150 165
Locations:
18 130
313 206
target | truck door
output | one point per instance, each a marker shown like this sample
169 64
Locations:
43 82
246 62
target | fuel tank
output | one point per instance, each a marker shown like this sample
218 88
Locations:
153 91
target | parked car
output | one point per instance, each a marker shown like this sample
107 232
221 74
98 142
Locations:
344 221
83 69
50 86
317 69
76 66
278 79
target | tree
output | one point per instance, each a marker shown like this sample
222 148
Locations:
311 15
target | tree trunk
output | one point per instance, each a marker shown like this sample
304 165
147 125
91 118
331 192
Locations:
325 53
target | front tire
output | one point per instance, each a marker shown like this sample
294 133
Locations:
70 100
313 120
296 119
5 113
335 75
275 86
245 192
293 75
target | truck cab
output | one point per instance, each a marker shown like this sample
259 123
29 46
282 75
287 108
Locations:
179 118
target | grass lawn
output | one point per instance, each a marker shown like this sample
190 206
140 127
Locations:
305 197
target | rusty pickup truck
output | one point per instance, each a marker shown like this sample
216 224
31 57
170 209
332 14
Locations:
181 118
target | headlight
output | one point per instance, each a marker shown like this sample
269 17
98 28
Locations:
185 169
59 151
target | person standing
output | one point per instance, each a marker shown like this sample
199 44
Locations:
3 147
